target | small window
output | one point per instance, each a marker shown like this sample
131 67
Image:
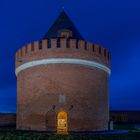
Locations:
53 107
65 33
62 98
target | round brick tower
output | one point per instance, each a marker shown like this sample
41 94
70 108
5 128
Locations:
62 82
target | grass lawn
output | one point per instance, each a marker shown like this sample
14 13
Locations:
12 134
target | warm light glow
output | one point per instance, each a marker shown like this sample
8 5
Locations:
62 123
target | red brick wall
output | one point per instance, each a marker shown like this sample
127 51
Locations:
85 89
7 119
125 116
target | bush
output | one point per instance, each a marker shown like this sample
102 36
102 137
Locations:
10 134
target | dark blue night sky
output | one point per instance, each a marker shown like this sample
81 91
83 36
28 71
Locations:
112 23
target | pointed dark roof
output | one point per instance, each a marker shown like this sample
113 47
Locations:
62 22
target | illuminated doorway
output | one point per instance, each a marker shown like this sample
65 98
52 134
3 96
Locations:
62 123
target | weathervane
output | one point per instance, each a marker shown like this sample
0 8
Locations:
61 5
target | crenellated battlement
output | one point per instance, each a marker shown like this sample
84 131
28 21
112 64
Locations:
61 47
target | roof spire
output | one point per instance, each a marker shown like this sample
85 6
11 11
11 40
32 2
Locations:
63 8
61 23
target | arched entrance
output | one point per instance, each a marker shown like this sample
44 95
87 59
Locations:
62 123
50 120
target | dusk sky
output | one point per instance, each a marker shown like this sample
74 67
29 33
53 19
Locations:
113 23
